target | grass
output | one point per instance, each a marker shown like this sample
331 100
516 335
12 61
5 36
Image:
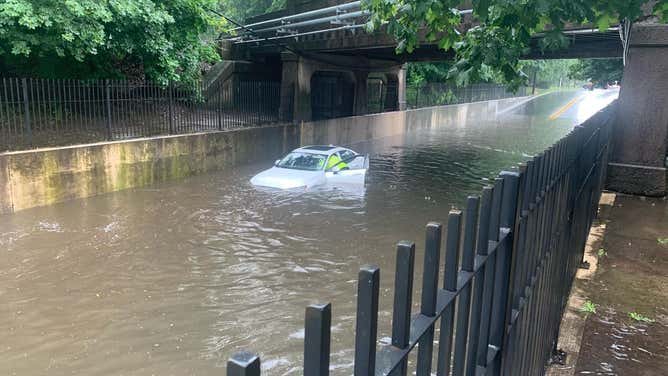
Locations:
662 241
640 318
588 307
601 252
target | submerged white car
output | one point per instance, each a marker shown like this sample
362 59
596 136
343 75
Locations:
311 166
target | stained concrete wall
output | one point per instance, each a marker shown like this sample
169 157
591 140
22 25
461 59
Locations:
641 130
47 176
344 131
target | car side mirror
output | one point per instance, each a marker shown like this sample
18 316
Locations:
336 169
276 162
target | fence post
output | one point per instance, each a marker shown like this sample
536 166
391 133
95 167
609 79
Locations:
417 96
107 100
449 284
26 108
317 334
170 96
243 364
432 254
219 105
477 299
505 252
403 293
367 321
464 304
490 272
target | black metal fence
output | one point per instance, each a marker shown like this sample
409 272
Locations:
44 112
510 259
438 94
381 96
54 112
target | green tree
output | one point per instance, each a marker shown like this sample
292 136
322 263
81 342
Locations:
240 10
157 39
598 71
546 73
419 73
503 31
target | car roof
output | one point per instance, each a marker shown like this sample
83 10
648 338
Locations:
321 149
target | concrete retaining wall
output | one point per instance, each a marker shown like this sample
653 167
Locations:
47 176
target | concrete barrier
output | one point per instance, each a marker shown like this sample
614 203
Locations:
46 176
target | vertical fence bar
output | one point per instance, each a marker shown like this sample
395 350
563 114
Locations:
449 284
317 333
76 106
517 260
463 306
243 364
170 107
34 107
15 91
4 119
403 294
478 290
8 115
219 106
85 100
107 101
366 325
26 109
502 275
490 271
41 105
429 290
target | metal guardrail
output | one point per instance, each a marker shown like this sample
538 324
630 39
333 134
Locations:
46 112
521 242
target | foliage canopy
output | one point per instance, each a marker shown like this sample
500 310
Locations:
503 31
157 39
598 71
240 10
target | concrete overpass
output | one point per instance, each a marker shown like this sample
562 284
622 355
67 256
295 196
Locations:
322 44
321 53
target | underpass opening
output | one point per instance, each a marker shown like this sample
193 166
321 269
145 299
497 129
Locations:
332 94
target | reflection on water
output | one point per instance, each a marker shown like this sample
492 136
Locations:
174 278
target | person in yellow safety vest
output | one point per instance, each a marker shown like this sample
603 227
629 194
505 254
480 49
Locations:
334 160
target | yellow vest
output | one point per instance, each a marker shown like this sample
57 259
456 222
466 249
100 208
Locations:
333 161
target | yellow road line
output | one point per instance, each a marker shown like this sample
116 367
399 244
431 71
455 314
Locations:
565 108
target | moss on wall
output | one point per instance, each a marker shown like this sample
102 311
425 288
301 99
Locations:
44 177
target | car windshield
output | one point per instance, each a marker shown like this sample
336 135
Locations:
303 161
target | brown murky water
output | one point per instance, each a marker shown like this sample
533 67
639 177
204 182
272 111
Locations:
172 279
632 277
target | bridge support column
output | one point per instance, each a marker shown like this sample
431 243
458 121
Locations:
361 93
295 88
401 88
640 139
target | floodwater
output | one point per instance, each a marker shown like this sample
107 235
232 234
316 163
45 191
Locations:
631 278
172 279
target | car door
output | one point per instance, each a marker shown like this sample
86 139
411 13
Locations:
353 171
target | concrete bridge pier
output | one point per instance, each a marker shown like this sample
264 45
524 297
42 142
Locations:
640 140
361 93
321 87
400 78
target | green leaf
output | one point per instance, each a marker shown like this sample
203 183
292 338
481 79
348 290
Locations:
603 22
445 43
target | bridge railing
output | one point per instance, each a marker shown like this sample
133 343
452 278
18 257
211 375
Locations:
510 259
52 112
